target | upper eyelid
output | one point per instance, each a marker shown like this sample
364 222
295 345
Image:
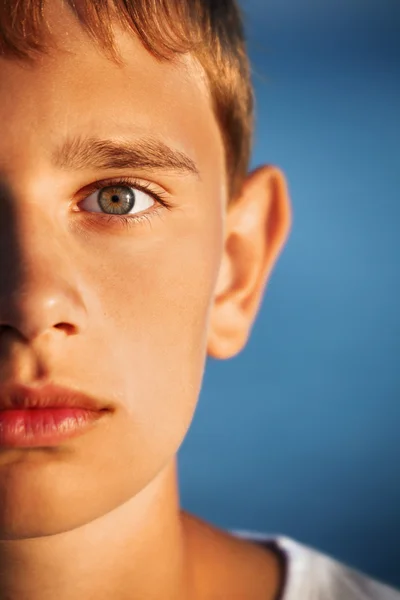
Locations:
125 180
130 180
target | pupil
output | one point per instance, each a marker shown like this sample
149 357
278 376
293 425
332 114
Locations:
114 199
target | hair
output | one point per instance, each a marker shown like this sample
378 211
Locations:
211 30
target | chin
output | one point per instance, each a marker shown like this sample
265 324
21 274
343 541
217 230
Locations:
50 499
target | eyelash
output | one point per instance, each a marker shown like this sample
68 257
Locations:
127 220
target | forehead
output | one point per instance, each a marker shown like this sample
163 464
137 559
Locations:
77 90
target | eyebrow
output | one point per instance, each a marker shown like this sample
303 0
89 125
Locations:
81 153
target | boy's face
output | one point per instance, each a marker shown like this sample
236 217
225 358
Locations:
133 302
119 310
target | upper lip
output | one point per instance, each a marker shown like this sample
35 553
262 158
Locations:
48 396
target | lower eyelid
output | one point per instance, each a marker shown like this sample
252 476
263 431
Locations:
112 222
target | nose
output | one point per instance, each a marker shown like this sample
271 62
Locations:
39 288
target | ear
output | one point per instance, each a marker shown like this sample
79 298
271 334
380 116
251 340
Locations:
257 226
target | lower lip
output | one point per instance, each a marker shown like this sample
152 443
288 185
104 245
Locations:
30 428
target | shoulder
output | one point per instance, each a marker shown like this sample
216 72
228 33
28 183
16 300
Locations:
313 575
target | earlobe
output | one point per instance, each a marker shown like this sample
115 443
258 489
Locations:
257 227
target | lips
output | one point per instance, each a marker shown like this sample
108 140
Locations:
48 396
46 416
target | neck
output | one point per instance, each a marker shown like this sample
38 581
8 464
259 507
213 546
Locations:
135 551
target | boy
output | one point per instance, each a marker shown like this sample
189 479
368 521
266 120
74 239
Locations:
107 313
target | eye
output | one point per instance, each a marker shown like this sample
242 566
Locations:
118 200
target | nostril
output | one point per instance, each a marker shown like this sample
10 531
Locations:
66 327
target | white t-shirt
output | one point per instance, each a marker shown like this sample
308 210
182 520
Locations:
310 575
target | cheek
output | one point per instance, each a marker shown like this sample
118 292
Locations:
156 309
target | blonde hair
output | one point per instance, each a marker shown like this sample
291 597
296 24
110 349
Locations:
211 30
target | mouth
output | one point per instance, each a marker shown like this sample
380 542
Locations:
45 416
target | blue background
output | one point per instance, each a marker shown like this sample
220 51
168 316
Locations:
299 435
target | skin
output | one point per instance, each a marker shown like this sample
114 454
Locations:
124 314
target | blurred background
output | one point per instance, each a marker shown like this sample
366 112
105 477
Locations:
300 434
